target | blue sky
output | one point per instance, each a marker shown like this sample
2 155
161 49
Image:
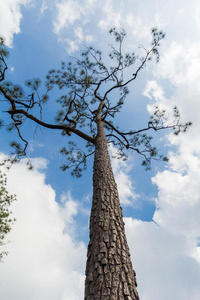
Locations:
47 249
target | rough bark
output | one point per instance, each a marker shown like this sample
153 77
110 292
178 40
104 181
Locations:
109 271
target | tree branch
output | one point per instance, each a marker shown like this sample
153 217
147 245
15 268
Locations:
119 132
53 126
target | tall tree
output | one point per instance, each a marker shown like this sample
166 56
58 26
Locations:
89 104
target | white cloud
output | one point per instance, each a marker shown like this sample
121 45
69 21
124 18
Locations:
180 62
154 91
44 261
135 18
166 252
67 13
72 45
70 207
33 144
178 202
156 94
81 36
10 17
73 15
111 17
163 259
44 7
121 169
178 205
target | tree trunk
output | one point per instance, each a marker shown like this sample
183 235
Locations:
109 271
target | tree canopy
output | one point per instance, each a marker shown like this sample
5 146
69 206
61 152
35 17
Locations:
87 87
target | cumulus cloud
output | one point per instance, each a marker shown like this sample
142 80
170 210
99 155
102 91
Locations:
88 15
67 13
44 261
137 21
178 204
166 251
164 262
111 15
73 44
70 11
156 94
44 7
125 184
10 17
73 15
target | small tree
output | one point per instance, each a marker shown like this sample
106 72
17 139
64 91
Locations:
6 220
92 95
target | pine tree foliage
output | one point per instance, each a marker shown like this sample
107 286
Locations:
6 220
88 86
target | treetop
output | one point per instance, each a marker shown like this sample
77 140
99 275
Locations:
86 88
